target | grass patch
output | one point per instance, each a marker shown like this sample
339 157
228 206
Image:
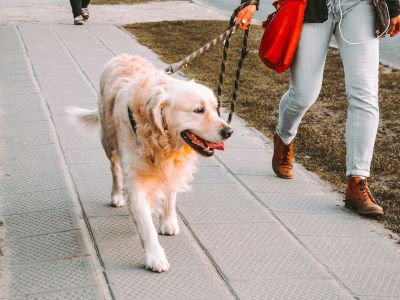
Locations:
320 143
124 1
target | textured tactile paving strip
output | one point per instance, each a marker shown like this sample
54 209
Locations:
283 289
127 254
354 251
34 202
180 282
340 225
302 203
370 280
54 246
267 263
46 277
273 184
88 293
214 175
224 212
224 192
36 223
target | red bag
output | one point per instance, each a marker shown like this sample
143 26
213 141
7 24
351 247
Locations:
282 34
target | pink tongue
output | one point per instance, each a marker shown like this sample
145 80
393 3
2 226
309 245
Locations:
218 146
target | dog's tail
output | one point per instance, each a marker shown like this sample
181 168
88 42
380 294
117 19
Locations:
85 118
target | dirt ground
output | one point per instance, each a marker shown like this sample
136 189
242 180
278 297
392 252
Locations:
320 143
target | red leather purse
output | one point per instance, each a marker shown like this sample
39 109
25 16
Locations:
282 34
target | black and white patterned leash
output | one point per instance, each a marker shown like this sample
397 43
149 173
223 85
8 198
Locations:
226 37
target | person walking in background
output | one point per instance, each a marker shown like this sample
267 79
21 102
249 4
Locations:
352 22
80 11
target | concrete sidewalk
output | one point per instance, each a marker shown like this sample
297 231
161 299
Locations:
246 234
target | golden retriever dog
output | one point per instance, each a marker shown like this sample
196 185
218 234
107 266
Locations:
153 156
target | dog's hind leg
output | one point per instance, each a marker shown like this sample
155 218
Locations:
117 193
155 258
168 220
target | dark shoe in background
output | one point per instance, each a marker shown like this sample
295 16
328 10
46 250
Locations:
78 20
282 161
359 198
85 14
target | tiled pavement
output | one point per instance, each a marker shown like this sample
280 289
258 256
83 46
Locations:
246 233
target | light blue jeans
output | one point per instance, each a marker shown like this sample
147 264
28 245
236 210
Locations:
361 63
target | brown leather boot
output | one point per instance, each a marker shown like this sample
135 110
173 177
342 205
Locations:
359 198
282 161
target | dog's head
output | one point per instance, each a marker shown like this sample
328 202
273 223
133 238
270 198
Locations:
188 111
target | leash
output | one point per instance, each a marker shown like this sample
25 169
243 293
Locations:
226 36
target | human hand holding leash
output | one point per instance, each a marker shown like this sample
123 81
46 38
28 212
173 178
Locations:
394 27
245 16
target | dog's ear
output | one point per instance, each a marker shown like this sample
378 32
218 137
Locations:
157 111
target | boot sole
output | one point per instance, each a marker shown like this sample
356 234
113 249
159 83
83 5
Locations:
350 206
280 175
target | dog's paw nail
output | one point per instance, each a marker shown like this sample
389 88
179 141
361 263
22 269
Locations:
169 228
118 201
157 262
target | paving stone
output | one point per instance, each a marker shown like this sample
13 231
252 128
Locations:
340 225
46 277
34 202
89 293
212 175
40 135
91 170
273 184
37 223
290 289
246 154
247 167
375 251
103 208
10 185
370 280
26 153
224 192
302 203
36 249
81 156
79 142
272 263
245 138
180 282
224 212
208 162
33 167
94 190
128 254
114 228
243 237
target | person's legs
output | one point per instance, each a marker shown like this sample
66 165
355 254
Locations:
360 55
85 3
361 64
306 77
305 84
76 6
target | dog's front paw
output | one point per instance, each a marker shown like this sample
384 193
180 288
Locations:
169 227
156 260
118 200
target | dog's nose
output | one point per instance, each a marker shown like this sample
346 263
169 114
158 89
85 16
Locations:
226 132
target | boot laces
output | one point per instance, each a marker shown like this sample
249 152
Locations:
365 190
286 153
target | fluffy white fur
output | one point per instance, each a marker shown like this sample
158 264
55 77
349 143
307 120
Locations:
150 167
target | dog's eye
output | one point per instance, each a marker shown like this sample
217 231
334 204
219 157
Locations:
199 110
